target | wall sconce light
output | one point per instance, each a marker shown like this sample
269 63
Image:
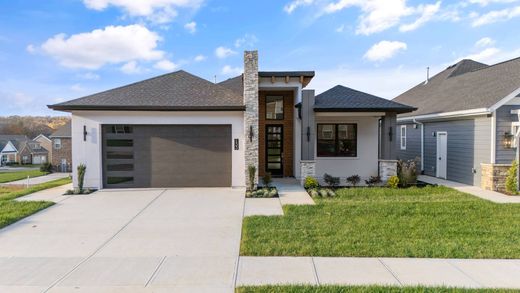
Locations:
85 133
251 133
308 133
507 140
390 133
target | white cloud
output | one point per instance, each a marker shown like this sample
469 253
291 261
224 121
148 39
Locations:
31 49
290 7
77 87
491 55
340 28
166 65
89 76
158 11
496 16
131 68
485 42
248 40
484 56
223 52
111 45
199 58
20 99
191 27
427 13
384 50
229 70
487 2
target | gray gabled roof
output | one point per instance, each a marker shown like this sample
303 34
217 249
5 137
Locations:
344 99
15 139
235 84
463 86
62 131
176 91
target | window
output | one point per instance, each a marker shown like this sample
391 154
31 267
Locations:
337 140
120 129
274 107
403 137
57 143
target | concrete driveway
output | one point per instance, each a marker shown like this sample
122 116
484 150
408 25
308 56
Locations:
182 240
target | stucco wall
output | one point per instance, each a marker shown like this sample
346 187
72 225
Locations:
89 151
366 162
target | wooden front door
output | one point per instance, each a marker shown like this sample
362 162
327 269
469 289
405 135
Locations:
274 149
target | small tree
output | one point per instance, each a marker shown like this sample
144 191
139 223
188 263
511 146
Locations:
331 180
310 183
81 176
267 179
353 180
407 172
251 170
512 180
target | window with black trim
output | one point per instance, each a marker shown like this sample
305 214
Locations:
337 140
274 107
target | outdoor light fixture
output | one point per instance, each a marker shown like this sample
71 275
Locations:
507 140
390 134
251 134
85 133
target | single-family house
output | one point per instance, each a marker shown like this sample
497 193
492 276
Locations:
10 147
466 123
181 130
46 143
61 145
32 152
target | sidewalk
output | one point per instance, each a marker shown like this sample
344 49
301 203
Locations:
493 196
54 194
39 179
468 273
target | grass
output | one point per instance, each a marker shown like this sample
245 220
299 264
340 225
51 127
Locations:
436 222
12 211
12 192
18 175
361 289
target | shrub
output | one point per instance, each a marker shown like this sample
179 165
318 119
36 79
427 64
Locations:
407 172
251 171
310 183
353 180
373 180
46 167
393 182
512 179
314 193
267 179
330 180
81 176
323 193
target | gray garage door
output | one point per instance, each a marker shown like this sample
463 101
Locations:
166 156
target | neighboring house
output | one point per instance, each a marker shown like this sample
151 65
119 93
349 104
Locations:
46 143
62 148
181 130
465 124
10 147
32 152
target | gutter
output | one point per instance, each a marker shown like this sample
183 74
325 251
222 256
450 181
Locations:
422 143
447 115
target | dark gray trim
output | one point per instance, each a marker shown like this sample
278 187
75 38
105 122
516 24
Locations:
346 109
145 108
286 73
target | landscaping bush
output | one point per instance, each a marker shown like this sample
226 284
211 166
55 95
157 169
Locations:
330 180
266 192
310 182
81 176
512 179
267 179
393 182
46 167
353 180
251 171
407 172
321 192
373 181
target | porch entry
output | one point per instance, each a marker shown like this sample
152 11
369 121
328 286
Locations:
442 154
274 149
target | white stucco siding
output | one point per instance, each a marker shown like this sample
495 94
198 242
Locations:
366 162
89 152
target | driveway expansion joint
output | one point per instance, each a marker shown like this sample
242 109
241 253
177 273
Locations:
390 271
155 271
315 272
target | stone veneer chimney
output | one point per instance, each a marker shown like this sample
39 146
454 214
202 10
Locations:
251 113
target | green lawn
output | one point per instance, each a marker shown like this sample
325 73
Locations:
12 192
436 222
17 175
361 289
12 211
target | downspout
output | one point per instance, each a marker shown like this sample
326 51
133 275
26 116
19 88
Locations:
422 143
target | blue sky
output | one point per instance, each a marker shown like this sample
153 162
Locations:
55 50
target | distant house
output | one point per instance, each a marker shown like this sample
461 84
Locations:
19 149
32 152
10 147
46 143
62 148
466 123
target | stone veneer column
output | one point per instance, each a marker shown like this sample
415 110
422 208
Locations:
251 113
494 176
387 169
307 169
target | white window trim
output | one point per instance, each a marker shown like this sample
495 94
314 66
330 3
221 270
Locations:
515 133
403 146
56 145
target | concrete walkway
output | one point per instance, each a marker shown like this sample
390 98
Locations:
55 194
493 196
39 179
468 273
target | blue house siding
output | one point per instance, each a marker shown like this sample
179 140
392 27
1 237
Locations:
503 124
413 143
